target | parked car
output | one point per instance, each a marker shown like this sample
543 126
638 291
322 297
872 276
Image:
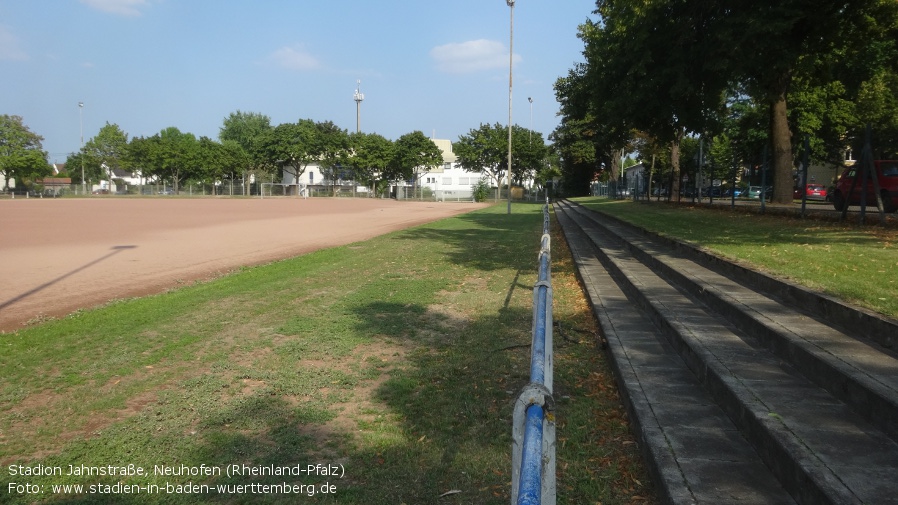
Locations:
754 192
813 191
737 192
712 191
100 192
886 173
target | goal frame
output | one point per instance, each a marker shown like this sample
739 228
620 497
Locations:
301 193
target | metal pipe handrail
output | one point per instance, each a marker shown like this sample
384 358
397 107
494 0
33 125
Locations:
533 433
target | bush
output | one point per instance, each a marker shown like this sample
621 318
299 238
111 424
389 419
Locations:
481 190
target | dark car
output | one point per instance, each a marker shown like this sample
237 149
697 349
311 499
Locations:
712 191
886 173
813 192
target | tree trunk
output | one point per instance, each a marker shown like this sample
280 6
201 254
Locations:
614 166
781 143
675 165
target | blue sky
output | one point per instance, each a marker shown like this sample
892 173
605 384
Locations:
438 67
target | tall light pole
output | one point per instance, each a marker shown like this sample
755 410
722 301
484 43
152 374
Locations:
358 97
510 66
530 99
81 118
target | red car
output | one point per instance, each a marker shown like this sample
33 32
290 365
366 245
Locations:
886 173
813 191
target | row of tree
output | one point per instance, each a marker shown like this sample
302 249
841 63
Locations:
249 145
749 76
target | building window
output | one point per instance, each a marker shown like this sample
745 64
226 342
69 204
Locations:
447 181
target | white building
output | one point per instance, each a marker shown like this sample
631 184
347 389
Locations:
4 181
450 181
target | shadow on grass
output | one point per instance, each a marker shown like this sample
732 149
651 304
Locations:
440 421
452 404
488 241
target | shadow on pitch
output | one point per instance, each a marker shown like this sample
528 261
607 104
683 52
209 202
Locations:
115 250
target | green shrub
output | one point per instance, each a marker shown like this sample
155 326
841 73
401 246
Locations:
481 190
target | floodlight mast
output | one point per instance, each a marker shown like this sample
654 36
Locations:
510 66
358 97
81 155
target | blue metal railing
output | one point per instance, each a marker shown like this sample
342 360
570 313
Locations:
533 433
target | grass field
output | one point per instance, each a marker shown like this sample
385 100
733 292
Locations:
395 360
856 264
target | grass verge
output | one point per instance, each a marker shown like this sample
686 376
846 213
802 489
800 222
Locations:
395 360
856 264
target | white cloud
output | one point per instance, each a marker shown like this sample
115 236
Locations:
120 7
294 58
471 56
9 46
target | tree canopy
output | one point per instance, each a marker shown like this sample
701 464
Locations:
104 153
484 150
248 130
413 155
370 159
672 68
21 152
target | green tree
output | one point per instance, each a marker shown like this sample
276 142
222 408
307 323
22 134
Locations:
485 150
332 146
529 153
590 143
794 37
106 152
292 147
371 155
248 130
245 128
73 167
221 160
21 153
414 154
137 156
232 162
168 155
550 171
663 67
651 67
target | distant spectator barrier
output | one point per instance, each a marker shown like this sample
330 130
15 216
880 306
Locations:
533 433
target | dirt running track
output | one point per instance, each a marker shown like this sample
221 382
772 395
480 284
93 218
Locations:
60 255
